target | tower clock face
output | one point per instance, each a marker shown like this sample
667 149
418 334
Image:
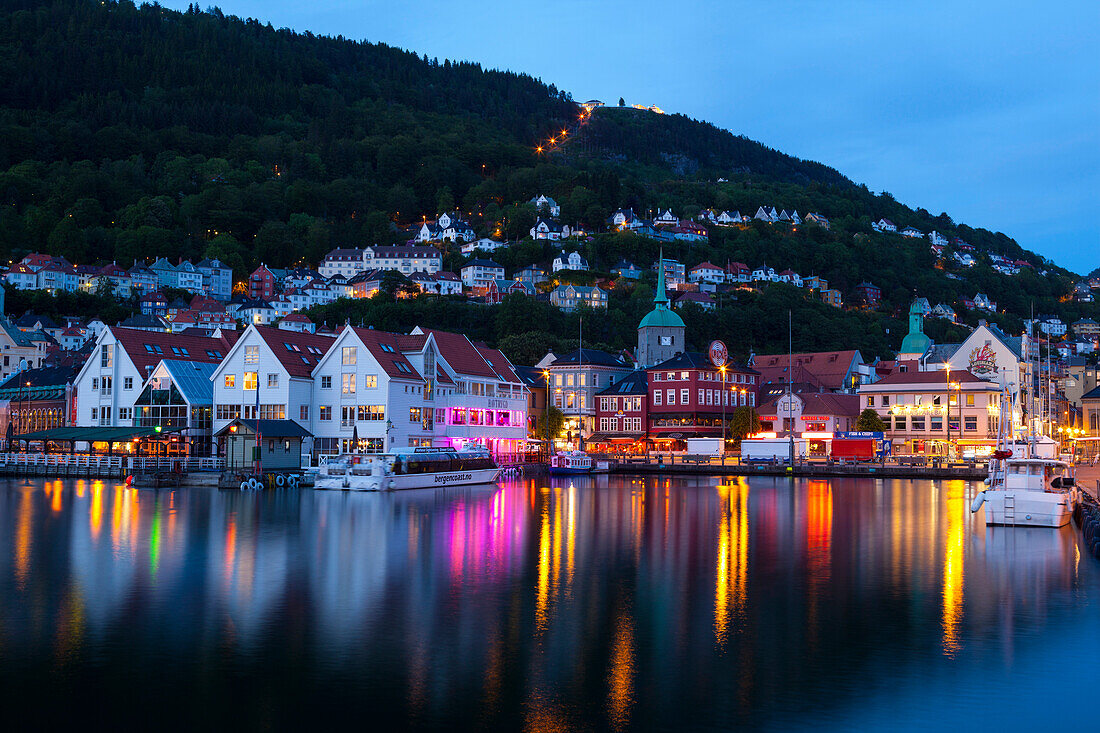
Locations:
666 341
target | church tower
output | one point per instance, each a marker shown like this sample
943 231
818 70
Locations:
916 342
661 333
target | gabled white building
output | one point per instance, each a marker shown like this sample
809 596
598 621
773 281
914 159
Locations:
122 359
547 204
428 388
708 273
571 261
268 375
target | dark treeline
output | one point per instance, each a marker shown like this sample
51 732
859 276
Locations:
131 132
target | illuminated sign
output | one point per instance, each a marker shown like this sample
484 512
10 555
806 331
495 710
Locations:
719 354
983 360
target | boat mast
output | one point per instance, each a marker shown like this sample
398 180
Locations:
580 362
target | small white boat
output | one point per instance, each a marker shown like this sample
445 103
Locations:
419 468
1028 492
563 464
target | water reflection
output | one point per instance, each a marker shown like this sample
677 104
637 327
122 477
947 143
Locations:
612 602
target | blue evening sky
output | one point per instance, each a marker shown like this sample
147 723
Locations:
988 110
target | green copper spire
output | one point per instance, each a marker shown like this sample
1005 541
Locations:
916 342
661 316
661 296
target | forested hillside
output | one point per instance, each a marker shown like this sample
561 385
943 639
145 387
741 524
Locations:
130 132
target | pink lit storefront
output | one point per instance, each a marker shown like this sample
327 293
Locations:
501 428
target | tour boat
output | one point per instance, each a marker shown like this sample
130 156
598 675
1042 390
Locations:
562 464
415 468
1028 492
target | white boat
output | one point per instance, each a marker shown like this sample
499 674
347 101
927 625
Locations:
415 468
562 464
1028 492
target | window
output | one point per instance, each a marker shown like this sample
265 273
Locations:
125 413
935 424
581 378
106 356
568 380
251 380
414 414
372 412
128 383
347 383
105 416
370 381
303 412
95 384
105 383
326 382
348 355
227 412
970 400
251 355
870 400
272 380
230 381
671 397
273 412
899 422
886 400
918 423
970 423
557 380
324 412
657 396
95 414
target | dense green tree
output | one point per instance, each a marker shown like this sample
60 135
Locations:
869 422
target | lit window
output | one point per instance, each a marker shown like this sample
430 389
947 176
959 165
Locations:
230 381
251 380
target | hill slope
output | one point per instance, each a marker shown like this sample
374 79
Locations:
128 132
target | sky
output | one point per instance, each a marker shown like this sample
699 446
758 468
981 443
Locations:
987 110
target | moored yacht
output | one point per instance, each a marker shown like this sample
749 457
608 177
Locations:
562 464
1031 492
419 468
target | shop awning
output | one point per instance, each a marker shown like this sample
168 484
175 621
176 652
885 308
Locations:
94 435
610 438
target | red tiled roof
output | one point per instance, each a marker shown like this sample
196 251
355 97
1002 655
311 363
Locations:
820 403
384 347
500 364
298 352
825 368
933 377
147 348
461 355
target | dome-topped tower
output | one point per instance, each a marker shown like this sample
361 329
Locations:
916 342
661 333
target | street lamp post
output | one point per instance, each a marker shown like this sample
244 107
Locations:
546 412
725 398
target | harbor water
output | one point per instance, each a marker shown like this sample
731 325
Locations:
601 603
